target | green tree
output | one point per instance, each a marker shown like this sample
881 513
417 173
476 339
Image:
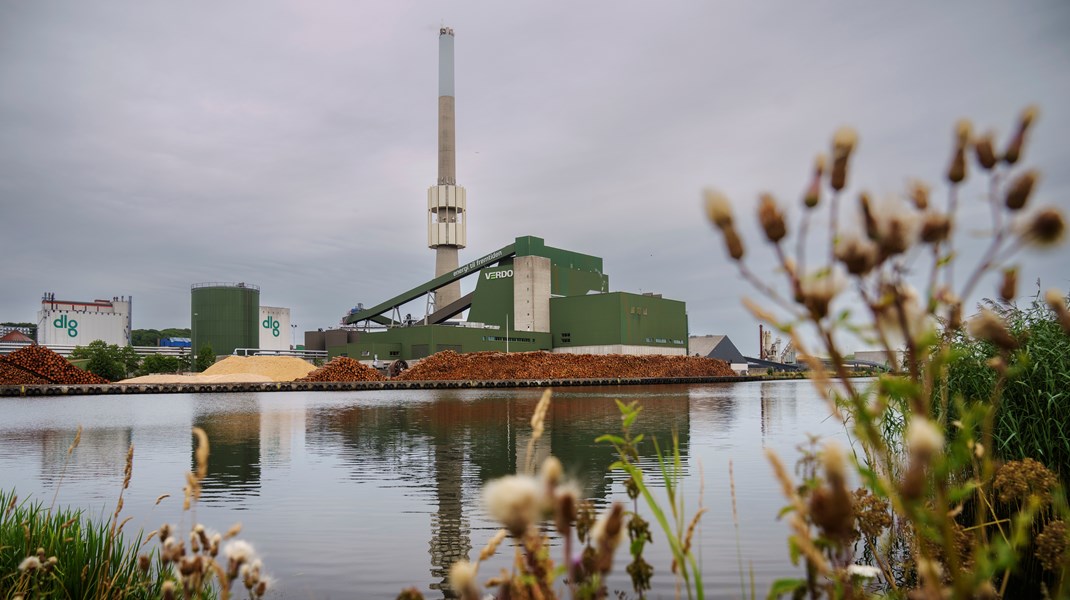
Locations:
109 361
159 363
205 357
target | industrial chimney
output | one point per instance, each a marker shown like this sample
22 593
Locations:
446 200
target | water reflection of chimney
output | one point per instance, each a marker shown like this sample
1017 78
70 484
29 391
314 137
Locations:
450 531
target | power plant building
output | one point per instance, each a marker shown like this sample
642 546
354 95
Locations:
77 323
528 296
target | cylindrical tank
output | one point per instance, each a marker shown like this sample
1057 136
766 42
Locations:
225 316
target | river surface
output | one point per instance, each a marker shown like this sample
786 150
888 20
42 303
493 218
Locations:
359 494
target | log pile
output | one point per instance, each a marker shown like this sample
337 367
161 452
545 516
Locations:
42 363
485 366
343 368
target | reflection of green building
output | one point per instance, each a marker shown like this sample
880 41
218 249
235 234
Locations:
234 453
528 296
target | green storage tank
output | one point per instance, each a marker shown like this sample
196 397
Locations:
225 315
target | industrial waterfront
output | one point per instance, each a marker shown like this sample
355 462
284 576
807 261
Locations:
372 491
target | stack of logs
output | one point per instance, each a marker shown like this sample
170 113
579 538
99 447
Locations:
343 368
483 366
36 365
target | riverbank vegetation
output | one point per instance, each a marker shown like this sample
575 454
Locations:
941 513
61 553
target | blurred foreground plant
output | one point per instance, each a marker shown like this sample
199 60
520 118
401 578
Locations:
931 517
63 554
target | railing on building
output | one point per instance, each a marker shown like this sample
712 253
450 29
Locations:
306 354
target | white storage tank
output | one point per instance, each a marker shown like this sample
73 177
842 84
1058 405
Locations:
77 323
275 330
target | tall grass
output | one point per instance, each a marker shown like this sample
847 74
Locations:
75 555
1033 416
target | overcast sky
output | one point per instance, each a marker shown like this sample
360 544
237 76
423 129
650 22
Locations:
148 146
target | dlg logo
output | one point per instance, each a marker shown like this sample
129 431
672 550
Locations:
69 324
273 325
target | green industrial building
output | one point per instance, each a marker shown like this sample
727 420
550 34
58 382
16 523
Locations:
528 296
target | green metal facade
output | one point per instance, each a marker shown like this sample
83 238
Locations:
418 342
618 318
225 316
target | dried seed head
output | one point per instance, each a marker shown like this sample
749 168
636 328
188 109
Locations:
30 563
891 224
859 256
607 534
843 143
1057 303
924 438
1046 227
986 155
771 218
566 502
866 206
733 243
463 579
168 590
1014 148
819 290
956 171
718 209
492 545
835 465
963 128
143 563
1009 286
813 192
989 327
1019 190
935 227
551 473
513 501
919 193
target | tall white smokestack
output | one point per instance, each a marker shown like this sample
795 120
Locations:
446 201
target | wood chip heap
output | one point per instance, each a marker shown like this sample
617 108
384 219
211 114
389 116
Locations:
36 365
483 366
276 368
343 368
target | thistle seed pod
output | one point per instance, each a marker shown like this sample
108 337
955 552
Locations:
1014 148
733 243
718 209
989 327
813 193
843 143
1020 189
919 194
771 218
867 216
936 227
1008 288
1046 228
857 255
986 156
956 171
1057 303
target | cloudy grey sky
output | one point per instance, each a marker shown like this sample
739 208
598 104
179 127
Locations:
148 146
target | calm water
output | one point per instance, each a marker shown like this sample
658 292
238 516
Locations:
358 494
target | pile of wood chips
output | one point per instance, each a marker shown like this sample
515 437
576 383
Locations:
36 365
343 368
486 366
